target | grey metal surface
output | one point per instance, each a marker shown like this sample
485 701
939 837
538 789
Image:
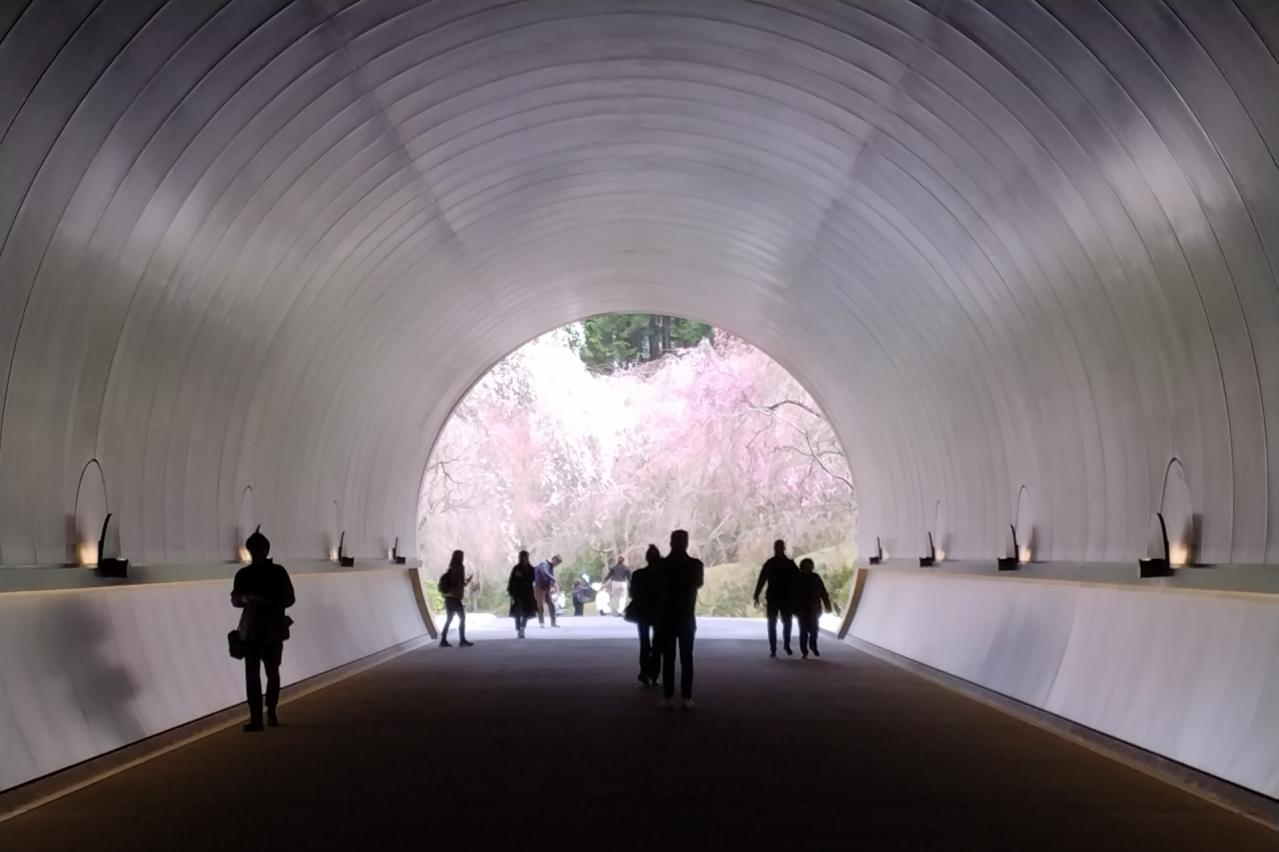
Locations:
1190 676
1004 243
83 672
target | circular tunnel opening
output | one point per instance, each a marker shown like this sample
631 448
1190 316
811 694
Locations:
599 438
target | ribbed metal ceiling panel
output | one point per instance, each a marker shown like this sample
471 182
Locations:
1005 243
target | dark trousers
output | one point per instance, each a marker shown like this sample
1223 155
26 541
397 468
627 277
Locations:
521 621
577 606
808 631
256 657
773 611
650 659
453 606
681 633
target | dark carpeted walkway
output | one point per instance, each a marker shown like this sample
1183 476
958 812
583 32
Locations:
552 743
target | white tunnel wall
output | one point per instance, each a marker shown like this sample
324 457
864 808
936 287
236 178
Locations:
1004 244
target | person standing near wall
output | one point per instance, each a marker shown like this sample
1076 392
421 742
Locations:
544 589
263 590
453 586
680 577
779 575
811 599
642 610
615 580
520 587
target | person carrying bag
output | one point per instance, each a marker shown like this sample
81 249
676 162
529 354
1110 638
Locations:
262 591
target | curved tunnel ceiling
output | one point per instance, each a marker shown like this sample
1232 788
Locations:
1006 244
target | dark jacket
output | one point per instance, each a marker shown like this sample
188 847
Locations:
779 574
264 591
643 608
810 595
520 588
678 581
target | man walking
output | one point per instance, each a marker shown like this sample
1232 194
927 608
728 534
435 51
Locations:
779 574
680 578
263 590
544 589
616 579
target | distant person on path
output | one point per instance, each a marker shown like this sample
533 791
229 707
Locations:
679 578
811 600
779 574
582 592
643 610
544 589
453 586
520 588
615 580
264 591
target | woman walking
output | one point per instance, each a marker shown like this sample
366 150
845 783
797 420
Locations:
810 600
520 588
453 586
643 611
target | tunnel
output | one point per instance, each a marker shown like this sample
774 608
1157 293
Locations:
1022 253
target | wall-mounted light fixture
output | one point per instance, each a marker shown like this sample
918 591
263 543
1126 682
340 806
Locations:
395 553
109 562
1010 559
87 554
878 557
344 560
928 560
1156 562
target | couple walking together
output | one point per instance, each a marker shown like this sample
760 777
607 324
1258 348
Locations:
664 606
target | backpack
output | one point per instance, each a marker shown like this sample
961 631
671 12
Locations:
446 582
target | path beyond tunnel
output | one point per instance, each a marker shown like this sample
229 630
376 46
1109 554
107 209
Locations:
552 743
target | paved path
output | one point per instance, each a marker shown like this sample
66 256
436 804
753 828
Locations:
537 744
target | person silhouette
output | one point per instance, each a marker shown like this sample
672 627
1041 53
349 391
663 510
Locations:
615 580
264 591
811 599
778 574
520 587
643 610
680 577
453 588
544 589
582 592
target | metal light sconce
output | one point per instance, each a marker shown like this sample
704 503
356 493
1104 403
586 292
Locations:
1156 562
396 558
110 566
927 561
344 560
1011 557
879 553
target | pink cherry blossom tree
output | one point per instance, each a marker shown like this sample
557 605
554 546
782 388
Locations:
547 456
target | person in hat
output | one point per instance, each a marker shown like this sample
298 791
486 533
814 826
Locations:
263 590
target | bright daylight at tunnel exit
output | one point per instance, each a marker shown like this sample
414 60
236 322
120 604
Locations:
597 439
699 423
